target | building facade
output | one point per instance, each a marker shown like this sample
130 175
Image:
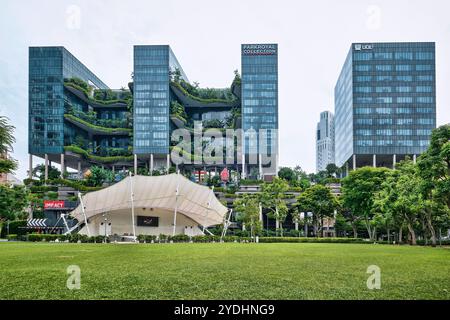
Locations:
325 141
77 121
385 103
260 102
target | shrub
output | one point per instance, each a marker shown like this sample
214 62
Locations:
37 237
180 238
15 227
12 237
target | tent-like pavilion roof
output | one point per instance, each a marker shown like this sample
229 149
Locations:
194 201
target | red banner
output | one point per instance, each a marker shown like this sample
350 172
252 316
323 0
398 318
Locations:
53 204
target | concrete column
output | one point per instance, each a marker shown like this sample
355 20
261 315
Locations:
151 164
394 161
46 167
346 168
374 160
414 158
113 169
63 166
79 169
168 163
354 162
30 166
135 164
260 167
243 167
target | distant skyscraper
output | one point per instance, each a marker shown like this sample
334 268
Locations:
385 103
325 141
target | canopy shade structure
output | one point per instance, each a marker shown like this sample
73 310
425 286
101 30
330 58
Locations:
159 192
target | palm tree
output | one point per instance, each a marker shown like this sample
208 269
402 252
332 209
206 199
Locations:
7 138
6 145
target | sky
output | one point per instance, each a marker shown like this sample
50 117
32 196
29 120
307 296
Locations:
313 40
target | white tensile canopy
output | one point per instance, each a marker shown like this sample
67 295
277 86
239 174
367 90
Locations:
194 201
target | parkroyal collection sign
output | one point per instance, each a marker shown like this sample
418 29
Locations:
259 49
53 204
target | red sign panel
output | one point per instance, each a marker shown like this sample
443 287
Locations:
53 204
225 175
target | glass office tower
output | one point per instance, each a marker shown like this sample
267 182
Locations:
152 64
385 103
48 67
260 96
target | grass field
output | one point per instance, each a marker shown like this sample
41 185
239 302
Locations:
223 271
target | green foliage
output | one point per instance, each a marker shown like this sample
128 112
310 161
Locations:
39 172
310 240
13 202
16 227
271 198
320 201
359 190
100 159
8 165
7 138
104 129
204 96
177 110
247 209
98 176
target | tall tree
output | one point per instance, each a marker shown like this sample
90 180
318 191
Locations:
272 199
7 140
13 202
319 200
359 189
248 208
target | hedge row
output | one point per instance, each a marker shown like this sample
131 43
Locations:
310 240
73 238
185 238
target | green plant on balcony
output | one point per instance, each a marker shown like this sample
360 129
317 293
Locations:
109 97
177 110
96 127
101 159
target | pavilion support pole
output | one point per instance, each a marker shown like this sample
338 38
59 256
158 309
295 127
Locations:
207 209
84 213
176 206
132 206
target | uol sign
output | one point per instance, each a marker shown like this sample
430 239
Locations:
359 47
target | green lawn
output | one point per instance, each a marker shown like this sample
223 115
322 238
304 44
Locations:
223 271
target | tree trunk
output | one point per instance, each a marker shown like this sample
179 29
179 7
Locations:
355 231
400 235
369 229
281 228
389 235
432 231
413 234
